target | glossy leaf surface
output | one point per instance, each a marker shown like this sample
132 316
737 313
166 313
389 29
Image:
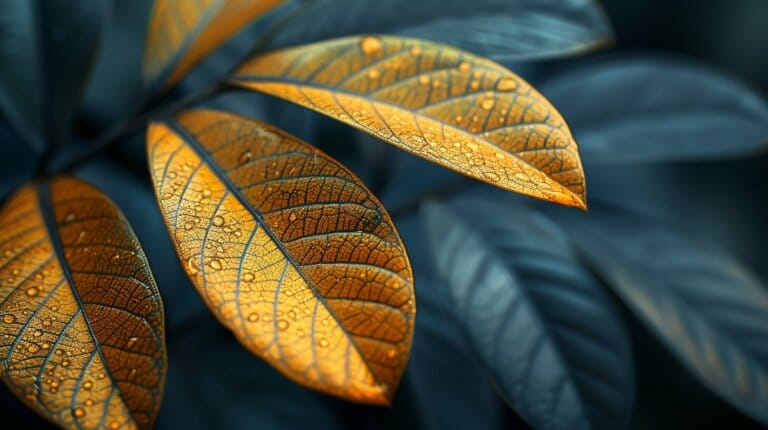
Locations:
288 249
502 30
539 321
450 107
708 310
182 33
661 109
80 316
46 49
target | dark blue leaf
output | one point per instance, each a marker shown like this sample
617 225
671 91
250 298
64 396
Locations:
503 30
658 109
710 311
539 321
46 48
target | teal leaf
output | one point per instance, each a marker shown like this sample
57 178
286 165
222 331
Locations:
539 321
710 311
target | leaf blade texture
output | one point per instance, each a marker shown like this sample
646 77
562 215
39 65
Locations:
497 29
82 319
706 308
289 251
450 107
537 319
181 33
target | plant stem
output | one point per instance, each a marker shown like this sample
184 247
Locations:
115 134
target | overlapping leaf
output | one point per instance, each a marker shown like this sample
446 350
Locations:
46 48
289 251
660 109
497 29
182 33
81 321
537 319
447 106
710 311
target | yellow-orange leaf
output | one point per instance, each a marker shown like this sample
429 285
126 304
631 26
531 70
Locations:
183 32
289 250
448 106
81 320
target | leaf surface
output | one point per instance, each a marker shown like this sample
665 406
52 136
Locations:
288 249
82 321
46 50
662 109
498 29
706 308
539 321
182 33
450 107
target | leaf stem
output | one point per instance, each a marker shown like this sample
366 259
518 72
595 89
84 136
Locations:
119 131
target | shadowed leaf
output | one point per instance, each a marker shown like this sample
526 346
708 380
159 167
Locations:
502 30
537 319
82 320
710 311
450 107
182 33
659 110
288 249
46 48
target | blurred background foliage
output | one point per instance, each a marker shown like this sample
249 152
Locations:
714 197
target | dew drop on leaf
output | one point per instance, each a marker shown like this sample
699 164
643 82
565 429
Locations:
370 45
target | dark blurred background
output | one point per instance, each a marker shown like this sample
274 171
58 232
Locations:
213 383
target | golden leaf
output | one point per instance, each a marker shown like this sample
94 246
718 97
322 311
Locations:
81 319
289 250
450 107
182 33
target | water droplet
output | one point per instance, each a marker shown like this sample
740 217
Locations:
325 321
172 175
101 375
78 412
506 84
253 317
373 74
69 218
499 155
436 84
215 264
37 333
15 272
65 363
392 353
33 349
32 291
46 345
218 221
114 425
9 318
166 196
473 146
192 268
132 341
282 324
424 80
474 85
206 193
245 156
89 402
487 104
47 323
248 276
87 385
323 343
465 67
370 45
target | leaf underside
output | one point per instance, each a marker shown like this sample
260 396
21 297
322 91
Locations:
289 250
448 106
81 318
539 321
183 33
